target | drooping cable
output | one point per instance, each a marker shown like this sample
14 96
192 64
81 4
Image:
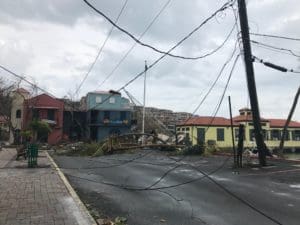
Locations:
272 47
134 44
221 9
101 49
274 66
276 36
25 80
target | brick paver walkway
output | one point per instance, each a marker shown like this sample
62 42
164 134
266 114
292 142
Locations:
35 196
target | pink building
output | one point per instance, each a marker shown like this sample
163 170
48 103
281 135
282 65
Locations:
46 108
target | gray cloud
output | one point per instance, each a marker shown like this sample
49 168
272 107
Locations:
56 41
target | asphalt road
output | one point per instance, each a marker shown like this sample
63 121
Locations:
251 196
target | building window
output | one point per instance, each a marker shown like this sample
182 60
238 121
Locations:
187 129
251 135
275 135
94 116
35 114
112 100
18 114
220 134
123 116
265 134
287 136
296 135
98 99
236 134
50 114
178 128
107 115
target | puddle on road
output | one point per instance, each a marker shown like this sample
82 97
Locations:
295 186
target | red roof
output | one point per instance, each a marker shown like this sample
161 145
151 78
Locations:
246 118
207 120
281 123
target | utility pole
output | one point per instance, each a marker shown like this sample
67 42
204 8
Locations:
288 121
144 102
251 82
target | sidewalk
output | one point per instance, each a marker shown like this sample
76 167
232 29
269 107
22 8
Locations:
36 196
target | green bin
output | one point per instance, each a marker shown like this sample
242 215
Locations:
32 154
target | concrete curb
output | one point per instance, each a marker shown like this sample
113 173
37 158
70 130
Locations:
73 194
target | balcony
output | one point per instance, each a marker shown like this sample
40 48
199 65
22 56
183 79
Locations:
107 122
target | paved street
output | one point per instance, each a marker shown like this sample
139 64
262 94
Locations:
273 192
35 196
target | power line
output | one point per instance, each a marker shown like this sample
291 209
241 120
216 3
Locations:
151 65
150 187
198 57
214 83
274 66
109 166
276 36
101 48
225 89
214 116
176 166
221 9
204 175
245 202
271 47
27 81
134 44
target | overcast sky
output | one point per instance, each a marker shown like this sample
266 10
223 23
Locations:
54 43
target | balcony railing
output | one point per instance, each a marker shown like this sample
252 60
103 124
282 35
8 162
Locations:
107 122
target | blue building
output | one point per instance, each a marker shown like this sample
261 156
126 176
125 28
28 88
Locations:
107 113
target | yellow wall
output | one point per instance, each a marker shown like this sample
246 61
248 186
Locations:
211 134
17 104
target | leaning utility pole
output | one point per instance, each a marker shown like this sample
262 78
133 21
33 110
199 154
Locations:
251 82
232 133
288 122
